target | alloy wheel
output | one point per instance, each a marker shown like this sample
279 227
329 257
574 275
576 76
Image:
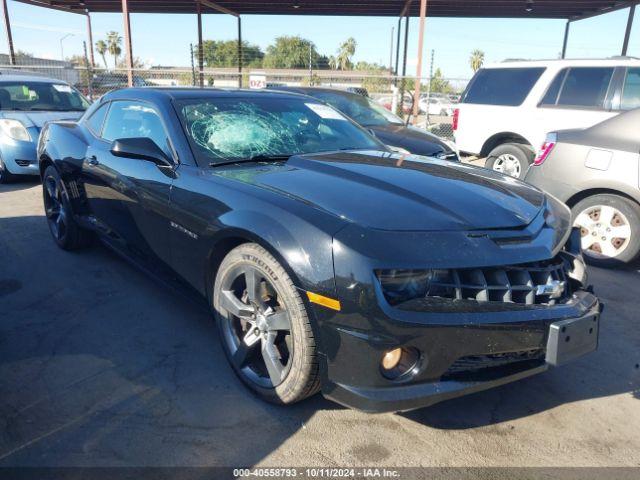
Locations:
257 329
605 231
55 209
508 164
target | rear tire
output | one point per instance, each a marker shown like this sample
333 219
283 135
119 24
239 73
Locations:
67 234
264 327
610 229
511 159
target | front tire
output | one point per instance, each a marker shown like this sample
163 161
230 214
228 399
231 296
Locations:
609 228
264 326
511 159
67 234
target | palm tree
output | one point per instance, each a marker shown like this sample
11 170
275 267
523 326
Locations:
101 48
114 40
476 59
345 52
333 62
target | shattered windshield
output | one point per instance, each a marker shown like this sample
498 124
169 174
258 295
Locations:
227 129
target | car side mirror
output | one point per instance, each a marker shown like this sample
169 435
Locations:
141 148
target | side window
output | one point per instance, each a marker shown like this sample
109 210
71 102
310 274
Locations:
128 119
95 121
631 91
501 86
551 97
586 87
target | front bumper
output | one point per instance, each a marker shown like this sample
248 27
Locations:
464 346
18 157
353 377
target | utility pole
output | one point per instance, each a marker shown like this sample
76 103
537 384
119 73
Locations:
310 68
391 52
429 84
89 72
193 67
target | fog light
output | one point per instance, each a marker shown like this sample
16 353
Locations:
391 359
399 362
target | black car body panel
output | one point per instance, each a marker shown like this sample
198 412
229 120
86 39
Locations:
332 220
398 135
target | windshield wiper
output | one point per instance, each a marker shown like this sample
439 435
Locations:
254 158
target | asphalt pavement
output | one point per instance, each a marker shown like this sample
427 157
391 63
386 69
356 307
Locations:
100 365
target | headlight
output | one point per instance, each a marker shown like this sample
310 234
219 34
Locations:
558 216
402 285
14 129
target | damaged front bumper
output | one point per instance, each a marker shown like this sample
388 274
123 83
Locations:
459 353
462 346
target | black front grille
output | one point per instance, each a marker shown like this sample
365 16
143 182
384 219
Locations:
540 283
24 163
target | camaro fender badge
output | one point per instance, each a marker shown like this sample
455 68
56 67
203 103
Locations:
184 230
553 288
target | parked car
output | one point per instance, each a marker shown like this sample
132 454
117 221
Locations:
407 106
26 103
386 126
595 171
330 262
508 108
435 106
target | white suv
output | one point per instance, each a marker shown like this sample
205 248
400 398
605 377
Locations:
508 108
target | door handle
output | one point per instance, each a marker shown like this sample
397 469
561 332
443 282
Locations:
93 160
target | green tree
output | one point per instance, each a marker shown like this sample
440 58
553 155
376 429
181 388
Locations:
291 52
379 81
114 40
476 59
439 84
224 53
346 51
102 48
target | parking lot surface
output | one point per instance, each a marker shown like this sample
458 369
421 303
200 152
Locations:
102 366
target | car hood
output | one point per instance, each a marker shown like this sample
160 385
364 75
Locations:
38 119
416 141
389 191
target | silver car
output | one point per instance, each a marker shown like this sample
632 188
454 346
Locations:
595 171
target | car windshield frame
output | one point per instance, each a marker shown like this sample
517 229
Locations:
309 117
30 87
381 115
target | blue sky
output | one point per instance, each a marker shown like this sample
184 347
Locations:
164 39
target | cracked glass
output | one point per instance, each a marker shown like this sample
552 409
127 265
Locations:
227 129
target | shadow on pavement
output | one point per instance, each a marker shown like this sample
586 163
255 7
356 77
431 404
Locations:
100 365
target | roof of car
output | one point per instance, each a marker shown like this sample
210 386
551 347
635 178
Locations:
309 90
190 93
28 78
596 62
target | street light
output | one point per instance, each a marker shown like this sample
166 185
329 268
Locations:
61 48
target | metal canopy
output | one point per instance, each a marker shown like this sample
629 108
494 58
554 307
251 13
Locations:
564 9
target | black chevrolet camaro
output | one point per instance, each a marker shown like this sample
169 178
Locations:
386 281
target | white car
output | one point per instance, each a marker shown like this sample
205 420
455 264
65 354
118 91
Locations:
435 106
508 108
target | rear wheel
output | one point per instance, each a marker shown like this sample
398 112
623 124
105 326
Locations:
511 159
264 326
609 228
67 234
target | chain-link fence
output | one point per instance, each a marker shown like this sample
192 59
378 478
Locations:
435 108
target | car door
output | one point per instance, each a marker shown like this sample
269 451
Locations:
130 197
